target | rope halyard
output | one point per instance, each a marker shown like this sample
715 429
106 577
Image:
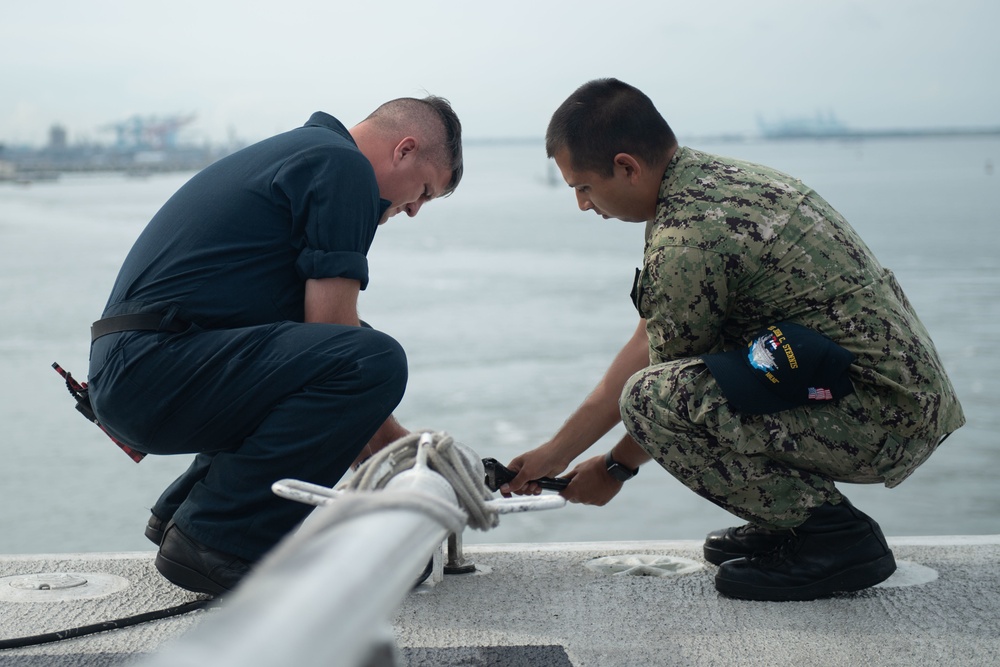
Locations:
366 490
456 463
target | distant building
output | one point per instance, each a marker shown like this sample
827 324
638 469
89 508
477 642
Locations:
57 138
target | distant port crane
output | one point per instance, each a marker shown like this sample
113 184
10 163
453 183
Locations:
148 132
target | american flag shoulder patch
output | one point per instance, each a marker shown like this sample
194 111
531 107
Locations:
820 394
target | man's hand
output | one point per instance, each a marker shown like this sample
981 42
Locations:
591 484
545 461
597 415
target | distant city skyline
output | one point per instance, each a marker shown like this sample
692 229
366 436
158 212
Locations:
251 69
818 125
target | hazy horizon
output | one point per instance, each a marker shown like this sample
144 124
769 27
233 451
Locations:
252 69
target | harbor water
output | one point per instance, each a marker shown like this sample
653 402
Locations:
510 303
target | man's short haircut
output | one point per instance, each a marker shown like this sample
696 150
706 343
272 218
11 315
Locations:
434 119
605 117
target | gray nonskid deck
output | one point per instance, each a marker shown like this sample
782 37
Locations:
545 596
540 605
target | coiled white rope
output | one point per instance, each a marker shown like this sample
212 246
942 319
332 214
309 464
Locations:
365 491
456 463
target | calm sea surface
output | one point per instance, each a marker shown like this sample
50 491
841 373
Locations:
510 304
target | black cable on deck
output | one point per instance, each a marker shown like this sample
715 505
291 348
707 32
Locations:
20 642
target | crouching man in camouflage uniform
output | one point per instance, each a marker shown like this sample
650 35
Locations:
774 356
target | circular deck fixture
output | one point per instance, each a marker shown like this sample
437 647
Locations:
59 586
47 582
909 574
643 565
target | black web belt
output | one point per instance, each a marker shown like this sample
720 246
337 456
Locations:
134 322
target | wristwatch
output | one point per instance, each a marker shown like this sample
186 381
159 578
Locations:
617 470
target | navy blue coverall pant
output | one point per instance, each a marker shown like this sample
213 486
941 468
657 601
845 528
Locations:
258 404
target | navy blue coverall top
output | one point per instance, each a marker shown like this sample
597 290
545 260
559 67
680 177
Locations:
249 388
235 245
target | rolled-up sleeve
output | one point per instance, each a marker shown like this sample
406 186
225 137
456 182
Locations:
314 263
335 208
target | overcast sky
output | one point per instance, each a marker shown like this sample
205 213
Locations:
256 68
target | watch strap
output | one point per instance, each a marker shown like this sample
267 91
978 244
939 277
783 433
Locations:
617 470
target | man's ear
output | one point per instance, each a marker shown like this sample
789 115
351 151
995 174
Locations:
628 166
404 148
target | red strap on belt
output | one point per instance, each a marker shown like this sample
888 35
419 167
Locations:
79 391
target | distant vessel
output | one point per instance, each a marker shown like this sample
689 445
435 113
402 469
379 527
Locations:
822 125
828 126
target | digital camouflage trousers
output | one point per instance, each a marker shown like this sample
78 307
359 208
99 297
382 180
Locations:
768 469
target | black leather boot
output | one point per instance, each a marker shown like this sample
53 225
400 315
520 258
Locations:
837 549
154 529
190 564
742 542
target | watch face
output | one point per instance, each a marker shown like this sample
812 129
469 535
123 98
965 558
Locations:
617 470
620 472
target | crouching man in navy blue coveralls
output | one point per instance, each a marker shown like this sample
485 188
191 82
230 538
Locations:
232 330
